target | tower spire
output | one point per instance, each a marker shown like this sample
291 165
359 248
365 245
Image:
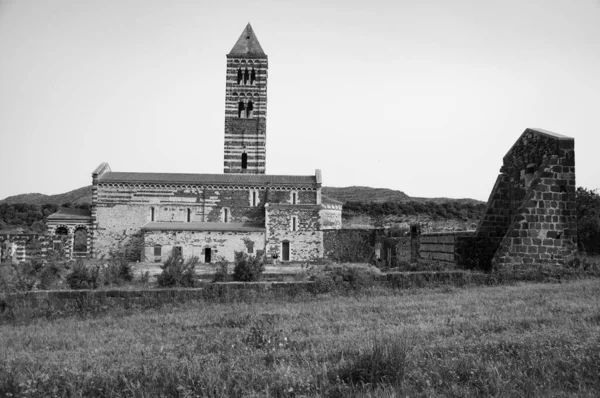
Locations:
247 45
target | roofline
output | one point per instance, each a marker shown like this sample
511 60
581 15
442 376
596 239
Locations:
547 133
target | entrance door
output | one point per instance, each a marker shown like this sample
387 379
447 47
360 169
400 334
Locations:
285 251
207 255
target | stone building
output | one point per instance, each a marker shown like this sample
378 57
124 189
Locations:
150 215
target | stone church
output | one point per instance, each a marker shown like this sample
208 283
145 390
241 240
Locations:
148 216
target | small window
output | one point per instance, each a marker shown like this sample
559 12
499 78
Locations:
294 198
244 161
294 223
239 75
241 108
253 76
189 215
152 214
157 250
254 198
246 76
177 252
225 214
249 109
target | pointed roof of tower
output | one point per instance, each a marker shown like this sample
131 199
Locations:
247 45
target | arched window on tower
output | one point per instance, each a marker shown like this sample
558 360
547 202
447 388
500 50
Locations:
253 76
244 161
241 109
249 109
246 76
239 76
189 215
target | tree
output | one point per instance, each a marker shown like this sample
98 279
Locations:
588 220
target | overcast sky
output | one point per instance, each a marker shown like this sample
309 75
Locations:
421 96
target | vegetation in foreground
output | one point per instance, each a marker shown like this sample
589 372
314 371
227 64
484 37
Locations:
520 340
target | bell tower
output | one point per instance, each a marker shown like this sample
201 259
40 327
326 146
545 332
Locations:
246 106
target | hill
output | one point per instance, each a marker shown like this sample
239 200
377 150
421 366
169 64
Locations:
345 194
76 197
365 194
383 195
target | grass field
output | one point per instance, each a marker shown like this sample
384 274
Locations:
521 340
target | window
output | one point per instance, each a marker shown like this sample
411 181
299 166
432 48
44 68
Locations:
241 108
294 223
225 214
157 250
189 215
244 161
249 109
246 76
254 198
152 214
239 75
177 252
252 76
294 198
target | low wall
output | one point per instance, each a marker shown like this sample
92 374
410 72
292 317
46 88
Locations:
439 250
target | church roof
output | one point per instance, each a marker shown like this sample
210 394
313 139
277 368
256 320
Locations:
70 214
326 200
224 179
247 45
203 226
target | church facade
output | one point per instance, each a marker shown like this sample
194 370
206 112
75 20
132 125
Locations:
148 216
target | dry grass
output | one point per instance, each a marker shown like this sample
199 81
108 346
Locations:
521 340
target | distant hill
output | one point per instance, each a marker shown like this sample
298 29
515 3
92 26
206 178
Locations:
345 194
365 194
382 195
76 197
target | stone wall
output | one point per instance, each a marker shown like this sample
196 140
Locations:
306 243
331 217
23 247
439 250
531 217
121 210
194 243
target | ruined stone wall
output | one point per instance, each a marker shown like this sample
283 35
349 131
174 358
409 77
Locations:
306 243
194 243
440 250
531 217
23 247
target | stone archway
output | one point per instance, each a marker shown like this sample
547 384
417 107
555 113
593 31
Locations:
80 242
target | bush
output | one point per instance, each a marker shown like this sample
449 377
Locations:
222 270
356 275
116 271
476 253
588 220
83 276
247 268
178 272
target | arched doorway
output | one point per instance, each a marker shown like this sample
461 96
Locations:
80 246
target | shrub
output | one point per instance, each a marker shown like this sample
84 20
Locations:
356 275
248 268
178 272
222 270
83 276
476 253
117 270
